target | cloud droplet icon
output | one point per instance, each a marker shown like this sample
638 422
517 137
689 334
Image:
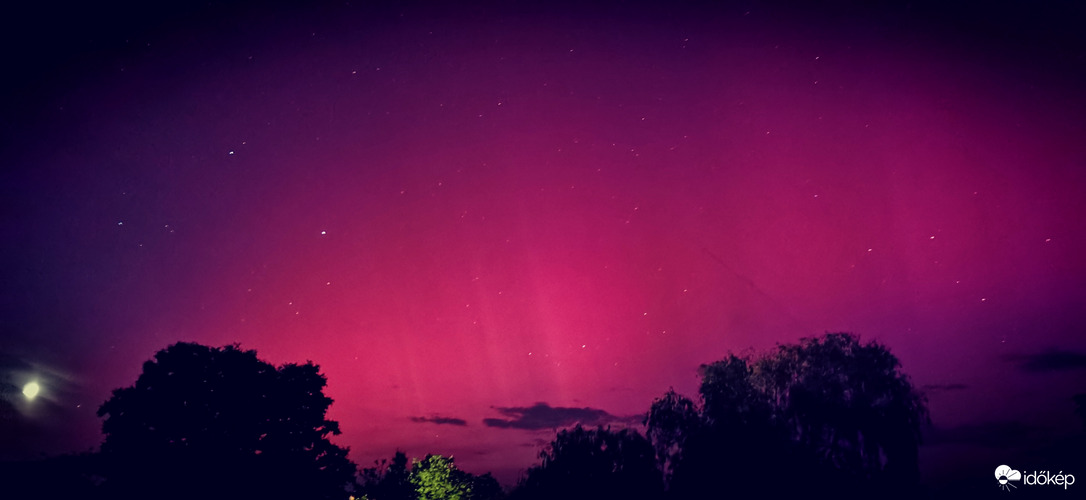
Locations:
1004 474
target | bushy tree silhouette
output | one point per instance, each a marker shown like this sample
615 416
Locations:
594 463
831 414
486 487
388 479
204 422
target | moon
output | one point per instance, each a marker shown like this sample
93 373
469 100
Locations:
31 390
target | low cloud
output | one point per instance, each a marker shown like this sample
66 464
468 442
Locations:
544 416
437 419
1053 360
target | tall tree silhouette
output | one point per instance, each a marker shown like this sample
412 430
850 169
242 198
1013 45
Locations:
673 423
594 463
830 414
204 422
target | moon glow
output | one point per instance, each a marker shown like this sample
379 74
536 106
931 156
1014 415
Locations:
31 390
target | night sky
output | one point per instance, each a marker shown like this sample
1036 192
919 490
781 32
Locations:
487 221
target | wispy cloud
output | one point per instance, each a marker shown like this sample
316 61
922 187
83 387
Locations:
437 419
544 416
1052 360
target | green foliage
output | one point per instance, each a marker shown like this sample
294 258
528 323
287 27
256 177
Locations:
437 478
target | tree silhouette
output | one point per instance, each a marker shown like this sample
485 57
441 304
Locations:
729 444
486 487
388 480
850 405
672 422
831 414
594 463
203 422
64 476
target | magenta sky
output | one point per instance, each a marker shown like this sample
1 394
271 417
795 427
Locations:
461 213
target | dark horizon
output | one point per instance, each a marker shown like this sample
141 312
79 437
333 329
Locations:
488 221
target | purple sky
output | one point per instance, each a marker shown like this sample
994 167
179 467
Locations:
461 213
